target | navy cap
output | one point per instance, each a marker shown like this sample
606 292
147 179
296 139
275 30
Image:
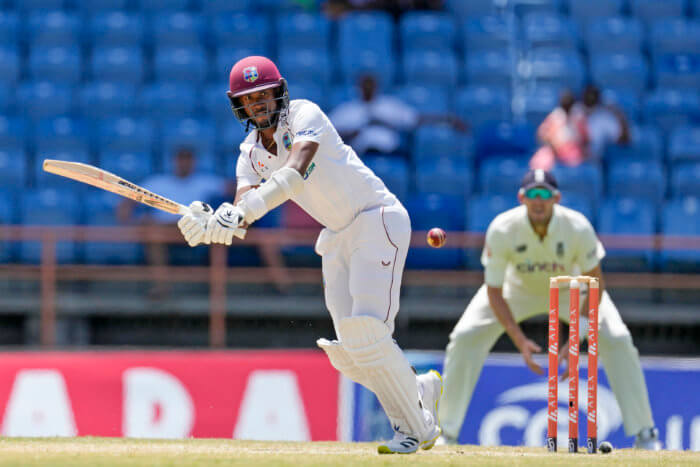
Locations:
539 177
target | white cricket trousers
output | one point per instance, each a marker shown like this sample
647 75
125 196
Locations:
478 329
363 264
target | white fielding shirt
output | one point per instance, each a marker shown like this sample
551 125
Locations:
516 259
337 185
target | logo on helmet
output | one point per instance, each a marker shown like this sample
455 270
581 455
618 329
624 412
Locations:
250 74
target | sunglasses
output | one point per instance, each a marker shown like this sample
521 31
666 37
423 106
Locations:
542 193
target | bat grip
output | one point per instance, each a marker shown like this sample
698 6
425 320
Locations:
183 210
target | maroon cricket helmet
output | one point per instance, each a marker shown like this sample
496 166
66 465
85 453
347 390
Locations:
253 74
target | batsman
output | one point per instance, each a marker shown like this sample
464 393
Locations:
524 247
294 153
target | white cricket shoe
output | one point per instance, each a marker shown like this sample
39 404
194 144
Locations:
648 439
430 390
408 443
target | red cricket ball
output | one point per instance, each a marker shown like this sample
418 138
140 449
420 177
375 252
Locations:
436 237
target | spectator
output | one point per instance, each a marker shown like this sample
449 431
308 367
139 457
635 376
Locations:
606 123
336 8
183 186
564 135
375 122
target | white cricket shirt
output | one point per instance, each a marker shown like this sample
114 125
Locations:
337 185
516 259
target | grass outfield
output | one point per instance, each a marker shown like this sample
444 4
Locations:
93 452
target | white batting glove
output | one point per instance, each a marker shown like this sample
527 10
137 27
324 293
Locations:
224 225
193 226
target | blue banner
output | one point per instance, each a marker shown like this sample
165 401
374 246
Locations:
509 405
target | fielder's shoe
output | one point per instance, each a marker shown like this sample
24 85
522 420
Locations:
430 390
406 443
648 439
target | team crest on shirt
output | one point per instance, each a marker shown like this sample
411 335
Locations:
287 141
250 73
560 249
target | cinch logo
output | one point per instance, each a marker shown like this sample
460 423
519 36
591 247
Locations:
540 267
309 170
250 74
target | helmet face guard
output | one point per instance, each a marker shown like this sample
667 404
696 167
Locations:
274 108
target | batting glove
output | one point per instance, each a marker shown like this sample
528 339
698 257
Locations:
224 225
193 226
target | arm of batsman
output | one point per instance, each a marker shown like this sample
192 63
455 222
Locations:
225 224
193 225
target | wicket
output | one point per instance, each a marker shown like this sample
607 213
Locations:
574 283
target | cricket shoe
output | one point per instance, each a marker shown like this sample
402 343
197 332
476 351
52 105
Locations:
648 439
408 443
430 390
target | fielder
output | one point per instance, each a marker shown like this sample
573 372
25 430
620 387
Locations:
297 151
525 246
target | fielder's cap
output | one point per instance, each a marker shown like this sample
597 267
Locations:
539 178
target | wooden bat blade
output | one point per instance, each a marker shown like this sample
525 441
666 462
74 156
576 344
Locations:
100 178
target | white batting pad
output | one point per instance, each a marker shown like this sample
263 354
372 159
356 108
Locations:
342 361
368 341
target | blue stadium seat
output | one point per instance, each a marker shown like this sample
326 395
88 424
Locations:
536 103
472 8
44 99
445 175
432 141
505 137
423 30
105 99
305 65
198 134
684 144
57 64
9 64
523 8
8 215
53 28
586 10
342 93
8 93
116 29
564 68
29 5
96 6
365 45
61 134
101 210
310 90
133 166
359 63
13 168
478 105
427 100
633 217
501 175
126 134
163 100
620 70
481 210
670 108
304 30
157 6
489 67
680 217
488 32
685 179
674 35
49 206
241 30
430 67
177 29
9 28
646 144
579 203
614 34
637 179
624 99
429 210
695 8
125 64
585 179
650 10
216 104
215 7
393 171
229 137
678 71
13 132
180 64
550 30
